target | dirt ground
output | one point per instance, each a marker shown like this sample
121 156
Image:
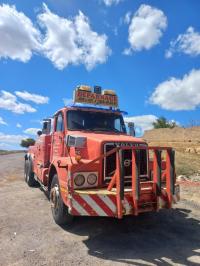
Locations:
29 236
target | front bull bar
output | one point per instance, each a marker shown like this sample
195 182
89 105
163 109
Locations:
118 177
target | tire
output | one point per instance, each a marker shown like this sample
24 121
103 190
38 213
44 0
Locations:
25 169
59 210
29 174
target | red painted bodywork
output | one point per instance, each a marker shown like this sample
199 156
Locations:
51 155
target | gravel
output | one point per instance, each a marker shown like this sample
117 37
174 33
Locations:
29 236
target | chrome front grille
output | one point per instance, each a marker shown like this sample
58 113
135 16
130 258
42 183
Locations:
110 162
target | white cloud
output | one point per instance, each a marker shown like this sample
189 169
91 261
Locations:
2 122
39 99
6 146
187 43
142 123
146 28
127 18
115 31
36 121
72 41
11 139
111 2
168 53
10 142
68 101
18 125
19 37
178 94
31 131
127 51
65 42
8 101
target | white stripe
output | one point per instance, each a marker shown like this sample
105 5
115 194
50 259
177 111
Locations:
127 206
94 205
126 201
79 208
108 202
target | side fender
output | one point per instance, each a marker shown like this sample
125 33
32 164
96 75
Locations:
60 167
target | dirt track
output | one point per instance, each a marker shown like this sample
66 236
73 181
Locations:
29 236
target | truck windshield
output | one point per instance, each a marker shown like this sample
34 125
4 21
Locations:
95 121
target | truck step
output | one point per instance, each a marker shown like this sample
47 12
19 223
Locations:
42 185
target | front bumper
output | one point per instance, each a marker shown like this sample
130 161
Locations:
101 202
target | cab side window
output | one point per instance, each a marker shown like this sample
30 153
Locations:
59 123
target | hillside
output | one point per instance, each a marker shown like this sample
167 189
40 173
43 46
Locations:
186 142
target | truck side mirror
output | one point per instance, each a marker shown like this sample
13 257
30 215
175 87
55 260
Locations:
131 127
46 129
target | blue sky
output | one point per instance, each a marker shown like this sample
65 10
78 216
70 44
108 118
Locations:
148 51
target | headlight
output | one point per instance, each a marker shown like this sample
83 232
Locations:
79 180
92 179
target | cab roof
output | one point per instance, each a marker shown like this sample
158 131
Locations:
90 107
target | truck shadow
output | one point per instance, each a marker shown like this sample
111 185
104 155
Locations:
164 238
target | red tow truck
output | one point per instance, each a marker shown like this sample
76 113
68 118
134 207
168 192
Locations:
90 166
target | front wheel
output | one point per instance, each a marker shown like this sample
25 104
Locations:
59 210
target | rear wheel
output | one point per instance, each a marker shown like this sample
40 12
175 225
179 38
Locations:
59 210
25 169
29 174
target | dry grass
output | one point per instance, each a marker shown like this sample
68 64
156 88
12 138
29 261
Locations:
180 139
187 163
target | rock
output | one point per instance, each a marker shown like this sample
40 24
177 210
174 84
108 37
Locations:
198 150
181 178
190 150
195 178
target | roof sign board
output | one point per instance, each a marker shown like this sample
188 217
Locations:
87 97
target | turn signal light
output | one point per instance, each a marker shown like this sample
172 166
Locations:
78 158
109 92
84 88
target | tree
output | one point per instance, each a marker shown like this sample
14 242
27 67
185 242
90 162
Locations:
27 142
162 122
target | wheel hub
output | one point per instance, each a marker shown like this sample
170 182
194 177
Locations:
54 197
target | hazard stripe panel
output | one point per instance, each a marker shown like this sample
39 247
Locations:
109 202
99 209
101 203
93 205
78 209
82 202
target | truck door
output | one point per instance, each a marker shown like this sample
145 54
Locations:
58 136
